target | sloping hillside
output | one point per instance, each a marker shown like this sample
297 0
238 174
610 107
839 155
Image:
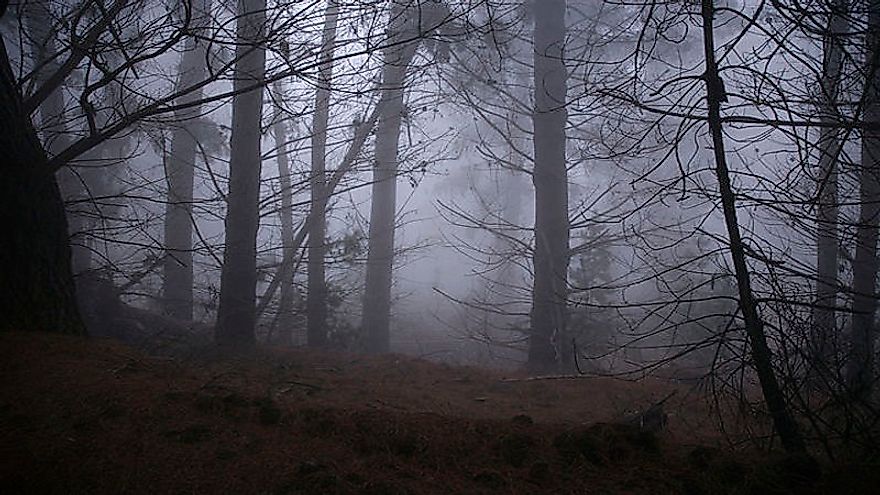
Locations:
92 416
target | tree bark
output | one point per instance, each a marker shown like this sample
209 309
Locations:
761 354
36 286
550 286
380 247
180 172
316 304
859 371
236 320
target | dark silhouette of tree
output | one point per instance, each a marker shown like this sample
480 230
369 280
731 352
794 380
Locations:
830 145
37 290
236 315
547 335
760 351
860 373
408 21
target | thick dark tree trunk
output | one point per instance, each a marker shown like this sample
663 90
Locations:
761 355
316 304
377 298
236 320
180 171
52 125
859 372
36 284
547 344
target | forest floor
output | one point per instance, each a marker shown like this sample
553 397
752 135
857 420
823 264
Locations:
95 416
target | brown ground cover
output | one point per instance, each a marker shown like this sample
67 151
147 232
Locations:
95 416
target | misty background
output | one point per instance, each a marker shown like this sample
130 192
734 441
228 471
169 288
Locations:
679 188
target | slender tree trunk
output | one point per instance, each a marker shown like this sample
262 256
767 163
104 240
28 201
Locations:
380 250
36 284
859 372
824 315
316 304
288 292
549 291
236 320
180 171
511 186
348 162
761 354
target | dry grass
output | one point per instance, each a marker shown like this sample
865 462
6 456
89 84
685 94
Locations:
90 416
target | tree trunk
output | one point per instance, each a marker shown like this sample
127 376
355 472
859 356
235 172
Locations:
859 372
316 304
380 249
52 124
285 319
823 337
761 354
178 263
550 287
236 319
36 287
348 162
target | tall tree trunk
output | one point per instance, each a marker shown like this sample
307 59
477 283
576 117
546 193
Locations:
550 287
829 146
859 371
36 286
380 250
236 321
38 20
180 171
285 319
316 304
761 354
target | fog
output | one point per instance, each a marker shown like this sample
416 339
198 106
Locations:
640 183
677 190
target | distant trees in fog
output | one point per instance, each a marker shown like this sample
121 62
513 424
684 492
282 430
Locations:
671 182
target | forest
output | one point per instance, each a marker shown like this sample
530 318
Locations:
439 246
